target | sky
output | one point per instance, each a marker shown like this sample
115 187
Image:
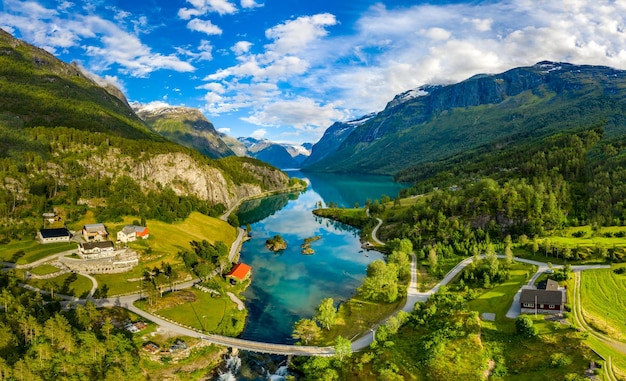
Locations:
286 70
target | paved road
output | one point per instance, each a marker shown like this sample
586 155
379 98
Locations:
413 296
94 284
375 231
515 309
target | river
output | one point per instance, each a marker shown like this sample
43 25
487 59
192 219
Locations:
288 285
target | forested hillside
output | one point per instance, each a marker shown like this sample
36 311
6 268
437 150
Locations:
485 112
69 145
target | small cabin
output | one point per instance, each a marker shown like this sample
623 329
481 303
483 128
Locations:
130 233
239 273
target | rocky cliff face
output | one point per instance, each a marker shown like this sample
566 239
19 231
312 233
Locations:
185 175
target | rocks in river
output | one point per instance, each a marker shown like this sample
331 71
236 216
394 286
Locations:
306 246
277 243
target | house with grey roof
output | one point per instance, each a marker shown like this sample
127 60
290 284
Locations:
130 233
546 298
95 232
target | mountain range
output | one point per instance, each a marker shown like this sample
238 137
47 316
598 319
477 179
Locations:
485 112
419 133
190 128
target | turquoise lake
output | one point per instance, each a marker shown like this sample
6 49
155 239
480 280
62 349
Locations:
288 285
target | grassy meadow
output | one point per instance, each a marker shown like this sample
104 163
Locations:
44 269
163 245
67 284
603 294
202 310
165 241
499 298
23 252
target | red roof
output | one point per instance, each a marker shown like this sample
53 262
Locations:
240 271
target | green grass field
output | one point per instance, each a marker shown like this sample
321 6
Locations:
499 298
205 313
68 284
165 241
23 252
603 296
44 270
589 238
356 316
202 310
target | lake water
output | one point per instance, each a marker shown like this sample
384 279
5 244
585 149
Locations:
287 286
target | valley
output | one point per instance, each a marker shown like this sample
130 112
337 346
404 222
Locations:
506 185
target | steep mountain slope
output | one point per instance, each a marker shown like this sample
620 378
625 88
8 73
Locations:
332 139
68 142
183 125
36 89
483 111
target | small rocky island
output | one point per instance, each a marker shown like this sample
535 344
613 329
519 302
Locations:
306 246
277 243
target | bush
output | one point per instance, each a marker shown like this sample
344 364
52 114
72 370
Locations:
620 270
524 326
579 234
559 360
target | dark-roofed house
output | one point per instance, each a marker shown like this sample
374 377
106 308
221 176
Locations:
548 284
96 250
239 273
543 301
54 235
95 232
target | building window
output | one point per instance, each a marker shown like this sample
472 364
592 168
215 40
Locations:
551 306
529 305
541 306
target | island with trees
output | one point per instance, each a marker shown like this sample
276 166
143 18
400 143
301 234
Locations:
276 243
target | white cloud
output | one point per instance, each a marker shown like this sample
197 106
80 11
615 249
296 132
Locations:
259 134
202 7
250 4
481 25
105 42
301 113
241 47
204 26
438 34
294 35
224 130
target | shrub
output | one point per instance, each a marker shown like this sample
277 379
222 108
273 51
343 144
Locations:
558 360
524 326
579 234
620 270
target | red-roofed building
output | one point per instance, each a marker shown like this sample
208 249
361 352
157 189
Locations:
239 273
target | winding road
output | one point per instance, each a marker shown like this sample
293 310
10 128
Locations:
413 297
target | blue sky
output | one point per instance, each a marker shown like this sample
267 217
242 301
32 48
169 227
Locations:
287 69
